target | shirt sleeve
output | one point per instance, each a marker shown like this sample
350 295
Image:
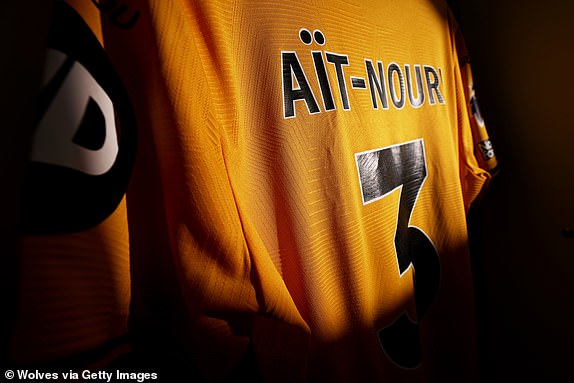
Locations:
477 155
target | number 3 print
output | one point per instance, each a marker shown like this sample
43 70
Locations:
381 172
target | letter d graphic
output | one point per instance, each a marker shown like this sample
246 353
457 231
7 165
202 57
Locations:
54 142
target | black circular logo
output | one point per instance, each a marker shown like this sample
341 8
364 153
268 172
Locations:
83 148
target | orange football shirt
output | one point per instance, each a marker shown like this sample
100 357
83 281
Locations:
303 175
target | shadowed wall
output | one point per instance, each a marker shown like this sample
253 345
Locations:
522 53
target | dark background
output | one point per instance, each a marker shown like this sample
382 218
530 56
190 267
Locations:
523 54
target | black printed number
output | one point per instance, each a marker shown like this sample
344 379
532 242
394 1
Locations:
381 172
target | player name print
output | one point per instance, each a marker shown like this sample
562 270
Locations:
389 84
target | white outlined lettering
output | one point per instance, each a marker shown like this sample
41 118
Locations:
390 85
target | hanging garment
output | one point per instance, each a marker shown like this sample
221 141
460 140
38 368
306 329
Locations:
73 288
301 185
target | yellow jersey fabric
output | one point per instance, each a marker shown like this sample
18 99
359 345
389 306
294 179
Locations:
303 175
